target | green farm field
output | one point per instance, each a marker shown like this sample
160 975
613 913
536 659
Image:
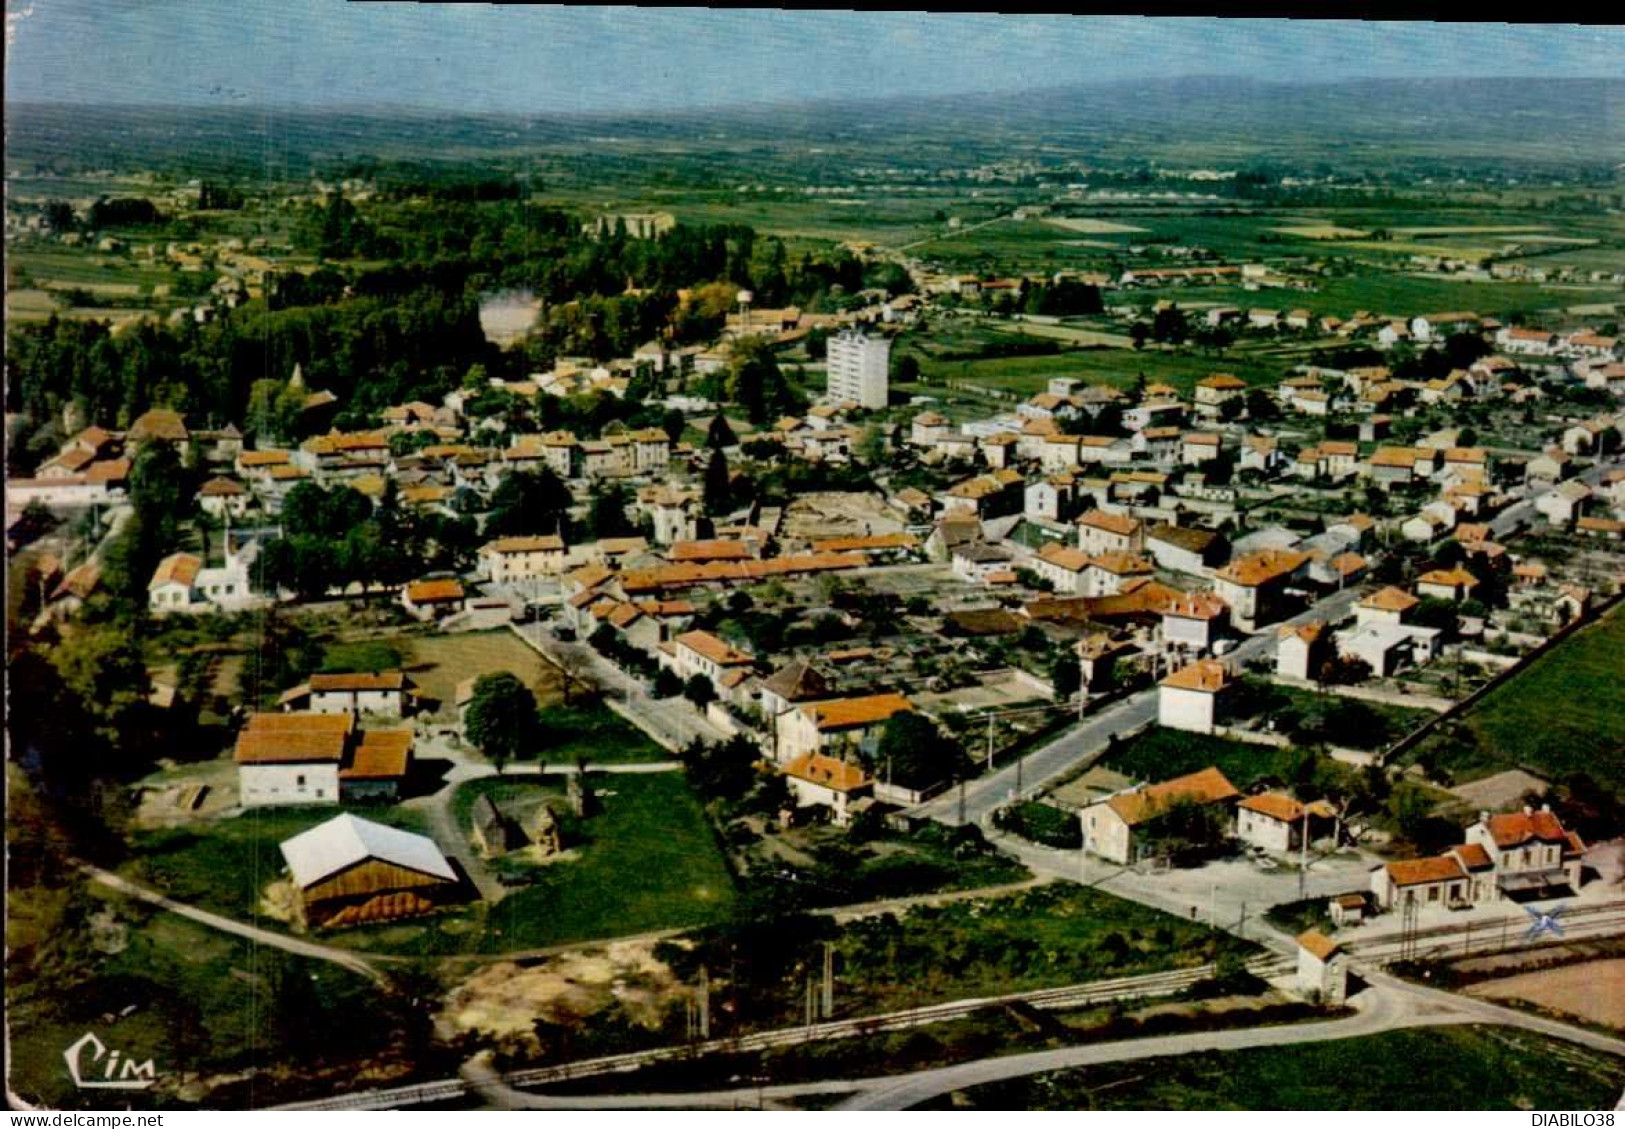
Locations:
1027 375
1563 713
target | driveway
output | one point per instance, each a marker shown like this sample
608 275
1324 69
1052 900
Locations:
1230 894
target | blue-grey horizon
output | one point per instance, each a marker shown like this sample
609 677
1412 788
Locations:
568 60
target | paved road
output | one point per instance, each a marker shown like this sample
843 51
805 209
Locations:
670 722
1079 746
346 958
1524 512
952 233
1386 1004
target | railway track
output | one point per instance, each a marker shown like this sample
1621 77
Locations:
1049 999
1584 922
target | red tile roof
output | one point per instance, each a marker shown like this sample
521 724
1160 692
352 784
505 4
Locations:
1206 675
1520 827
1417 872
1205 787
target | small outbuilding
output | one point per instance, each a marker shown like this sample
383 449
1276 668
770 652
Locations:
1322 967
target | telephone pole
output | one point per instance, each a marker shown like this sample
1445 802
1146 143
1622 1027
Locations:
829 981
705 1003
1303 854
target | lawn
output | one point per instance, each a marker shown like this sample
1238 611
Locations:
1563 713
1467 1068
929 859
645 860
1158 754
594 732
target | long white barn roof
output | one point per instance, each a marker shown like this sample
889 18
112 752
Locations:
344 840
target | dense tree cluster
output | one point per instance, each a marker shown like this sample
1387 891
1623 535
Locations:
334 538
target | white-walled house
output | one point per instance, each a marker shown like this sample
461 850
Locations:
1529 849
223 497
1102 532
1518 854
848 727
180 583
1114 827
1275 821
517 560
1182 549
1254 585
388 693
1300 648
1386 605
1446 583
1565 502
291 758
1193 622
816 780
1193 697
1064 567
702 653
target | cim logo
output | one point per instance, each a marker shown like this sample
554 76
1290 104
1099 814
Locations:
115 1074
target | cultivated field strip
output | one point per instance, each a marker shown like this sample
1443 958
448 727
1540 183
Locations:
1050 999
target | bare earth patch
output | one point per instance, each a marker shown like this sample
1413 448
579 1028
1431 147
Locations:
835 514
1085 226
505 1000
1594 991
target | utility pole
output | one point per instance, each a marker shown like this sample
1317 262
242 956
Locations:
989 742
1303 855
1083 851
829 981
705 1003
961 800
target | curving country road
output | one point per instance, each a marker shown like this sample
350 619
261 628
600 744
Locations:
1385 1005
346 958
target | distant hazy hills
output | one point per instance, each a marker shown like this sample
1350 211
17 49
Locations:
1183 120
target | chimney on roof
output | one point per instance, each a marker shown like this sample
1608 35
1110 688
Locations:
1527 810
1483 817
1547 808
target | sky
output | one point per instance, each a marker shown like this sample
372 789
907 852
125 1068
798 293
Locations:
543 60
